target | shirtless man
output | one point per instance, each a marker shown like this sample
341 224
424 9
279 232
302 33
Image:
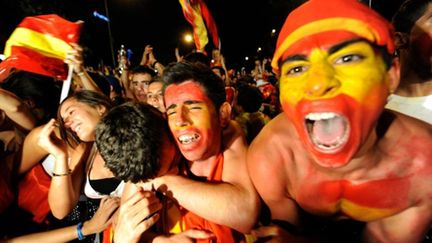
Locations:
334 152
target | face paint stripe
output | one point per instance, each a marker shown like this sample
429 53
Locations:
331 24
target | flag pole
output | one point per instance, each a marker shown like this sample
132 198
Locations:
66 84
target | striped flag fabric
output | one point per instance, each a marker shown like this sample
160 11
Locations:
199 16
39 44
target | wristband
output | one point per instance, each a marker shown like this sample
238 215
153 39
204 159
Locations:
79 231
154 64
64 174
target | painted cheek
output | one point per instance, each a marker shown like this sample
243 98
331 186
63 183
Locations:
362 82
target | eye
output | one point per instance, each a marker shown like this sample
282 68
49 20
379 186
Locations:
297 70
170 112
349 58
195 108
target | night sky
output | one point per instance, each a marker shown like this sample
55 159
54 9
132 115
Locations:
243 25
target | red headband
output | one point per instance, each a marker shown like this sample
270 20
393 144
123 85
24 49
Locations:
329 17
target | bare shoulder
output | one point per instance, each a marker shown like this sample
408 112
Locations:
271 151
277 134
234 142
405 127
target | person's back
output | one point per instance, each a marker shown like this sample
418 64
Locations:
414 49
249 101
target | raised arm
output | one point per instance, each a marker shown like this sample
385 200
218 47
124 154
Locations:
75 59
66 183
16 110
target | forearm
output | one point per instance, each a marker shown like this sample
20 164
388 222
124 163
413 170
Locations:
62 195
58 235
222 203
16 110
87 82
125 83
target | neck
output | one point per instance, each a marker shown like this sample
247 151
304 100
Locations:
418 89
203 167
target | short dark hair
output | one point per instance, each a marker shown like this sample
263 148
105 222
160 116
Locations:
42 90
220 68
408 13
129 138
196 56
143 69
179 72
249 98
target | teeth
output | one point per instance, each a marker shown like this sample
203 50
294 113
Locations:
186 139
320 116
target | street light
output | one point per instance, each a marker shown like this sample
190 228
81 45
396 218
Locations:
188 38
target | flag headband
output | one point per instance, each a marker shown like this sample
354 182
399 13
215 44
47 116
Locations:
328 17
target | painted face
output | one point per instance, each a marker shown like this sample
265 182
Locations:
80 118
193 120
140 83
334 94
155 96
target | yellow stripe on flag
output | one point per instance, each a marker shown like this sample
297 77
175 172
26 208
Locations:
42 43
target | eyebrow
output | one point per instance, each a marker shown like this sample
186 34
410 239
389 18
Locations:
187 102
339 46
333 49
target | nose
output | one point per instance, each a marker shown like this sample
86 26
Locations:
321 82
182 118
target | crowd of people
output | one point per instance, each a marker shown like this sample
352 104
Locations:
328 141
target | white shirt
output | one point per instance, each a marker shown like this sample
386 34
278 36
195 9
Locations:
417 107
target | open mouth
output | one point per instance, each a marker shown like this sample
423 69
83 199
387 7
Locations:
188 138
328 131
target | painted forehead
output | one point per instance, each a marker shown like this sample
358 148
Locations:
187 90
331 19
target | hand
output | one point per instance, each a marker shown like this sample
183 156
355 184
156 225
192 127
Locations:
188 236
74 57
50 142
177 55
136 215
103 216
148 49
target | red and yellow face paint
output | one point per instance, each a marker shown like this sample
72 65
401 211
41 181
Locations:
193 120
333 82
333 95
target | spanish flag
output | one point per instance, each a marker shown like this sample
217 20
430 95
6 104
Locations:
198 15
39 44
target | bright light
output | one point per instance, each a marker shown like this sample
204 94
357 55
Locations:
273 31
188 38
259 49
2 57
246 58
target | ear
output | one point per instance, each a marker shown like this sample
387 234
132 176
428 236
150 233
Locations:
224 114
394 75
101 110
401 40
30 103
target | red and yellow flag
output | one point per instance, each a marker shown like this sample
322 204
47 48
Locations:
39 44
199 16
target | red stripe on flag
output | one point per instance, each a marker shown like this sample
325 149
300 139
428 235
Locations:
31 61
211 24
54 25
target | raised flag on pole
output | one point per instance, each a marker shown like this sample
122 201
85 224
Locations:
39 44
199 16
